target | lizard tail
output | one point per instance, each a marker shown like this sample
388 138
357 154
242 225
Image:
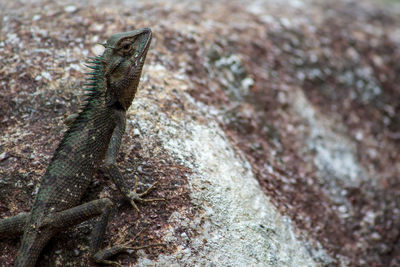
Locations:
33 242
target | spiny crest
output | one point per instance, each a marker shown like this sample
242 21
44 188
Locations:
93 90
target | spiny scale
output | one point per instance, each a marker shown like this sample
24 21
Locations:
92 78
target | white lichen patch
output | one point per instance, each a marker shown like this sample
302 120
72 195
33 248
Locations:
237 225
244 228
335 154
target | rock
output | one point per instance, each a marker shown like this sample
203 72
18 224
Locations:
271 127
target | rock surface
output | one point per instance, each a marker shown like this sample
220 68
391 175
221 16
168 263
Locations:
273 128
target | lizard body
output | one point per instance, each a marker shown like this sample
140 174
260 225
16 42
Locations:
93 136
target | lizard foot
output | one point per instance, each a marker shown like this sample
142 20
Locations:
134 196
102 255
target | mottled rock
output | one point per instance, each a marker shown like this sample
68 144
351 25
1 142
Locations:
272 127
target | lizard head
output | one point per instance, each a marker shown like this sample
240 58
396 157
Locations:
122 63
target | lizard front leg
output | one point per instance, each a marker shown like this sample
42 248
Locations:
113 171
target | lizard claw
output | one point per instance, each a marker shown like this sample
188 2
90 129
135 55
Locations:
134 196
134 205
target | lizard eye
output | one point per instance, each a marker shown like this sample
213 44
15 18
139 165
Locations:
126 46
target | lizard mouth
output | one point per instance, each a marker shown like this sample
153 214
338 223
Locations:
144 37
148 36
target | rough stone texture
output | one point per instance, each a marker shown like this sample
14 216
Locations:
272 127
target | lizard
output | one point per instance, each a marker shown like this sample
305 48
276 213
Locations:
93 137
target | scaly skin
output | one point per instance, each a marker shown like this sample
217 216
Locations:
93 136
